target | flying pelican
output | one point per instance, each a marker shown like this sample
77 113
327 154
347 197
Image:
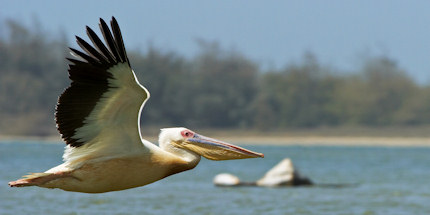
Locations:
98 118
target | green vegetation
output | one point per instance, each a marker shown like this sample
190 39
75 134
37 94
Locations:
216 89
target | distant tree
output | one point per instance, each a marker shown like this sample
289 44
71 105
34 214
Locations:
298 96
32 75
224 87
415 109
166 76
387 89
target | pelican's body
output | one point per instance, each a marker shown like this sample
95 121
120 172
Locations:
119 173
98 118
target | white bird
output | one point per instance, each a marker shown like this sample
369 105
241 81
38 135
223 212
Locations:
98 118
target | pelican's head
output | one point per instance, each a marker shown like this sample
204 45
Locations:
180 139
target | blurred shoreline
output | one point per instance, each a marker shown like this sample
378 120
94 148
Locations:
334 141
344 136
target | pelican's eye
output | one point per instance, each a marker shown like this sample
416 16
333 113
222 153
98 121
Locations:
187 134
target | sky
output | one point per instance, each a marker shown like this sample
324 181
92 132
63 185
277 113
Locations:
341 33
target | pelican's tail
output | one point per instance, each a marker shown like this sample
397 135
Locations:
33 179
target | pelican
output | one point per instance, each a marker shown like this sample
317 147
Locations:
98 119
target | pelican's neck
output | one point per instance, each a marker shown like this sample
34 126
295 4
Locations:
188 156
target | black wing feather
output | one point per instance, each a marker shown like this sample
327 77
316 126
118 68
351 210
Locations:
89 78
119 41
99 45
84 56
91 51
109 40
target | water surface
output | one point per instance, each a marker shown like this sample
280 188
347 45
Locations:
389 180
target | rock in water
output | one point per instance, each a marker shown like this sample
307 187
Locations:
225 179
280 175
283 174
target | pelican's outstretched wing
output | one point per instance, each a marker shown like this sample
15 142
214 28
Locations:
101 107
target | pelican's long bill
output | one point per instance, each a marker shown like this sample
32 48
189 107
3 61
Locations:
218 150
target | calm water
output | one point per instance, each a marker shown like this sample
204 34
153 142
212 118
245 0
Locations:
390 181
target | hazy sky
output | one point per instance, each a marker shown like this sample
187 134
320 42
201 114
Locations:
273 33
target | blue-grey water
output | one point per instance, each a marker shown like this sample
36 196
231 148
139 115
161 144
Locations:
389 180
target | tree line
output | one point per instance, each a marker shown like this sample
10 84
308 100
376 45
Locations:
217 88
